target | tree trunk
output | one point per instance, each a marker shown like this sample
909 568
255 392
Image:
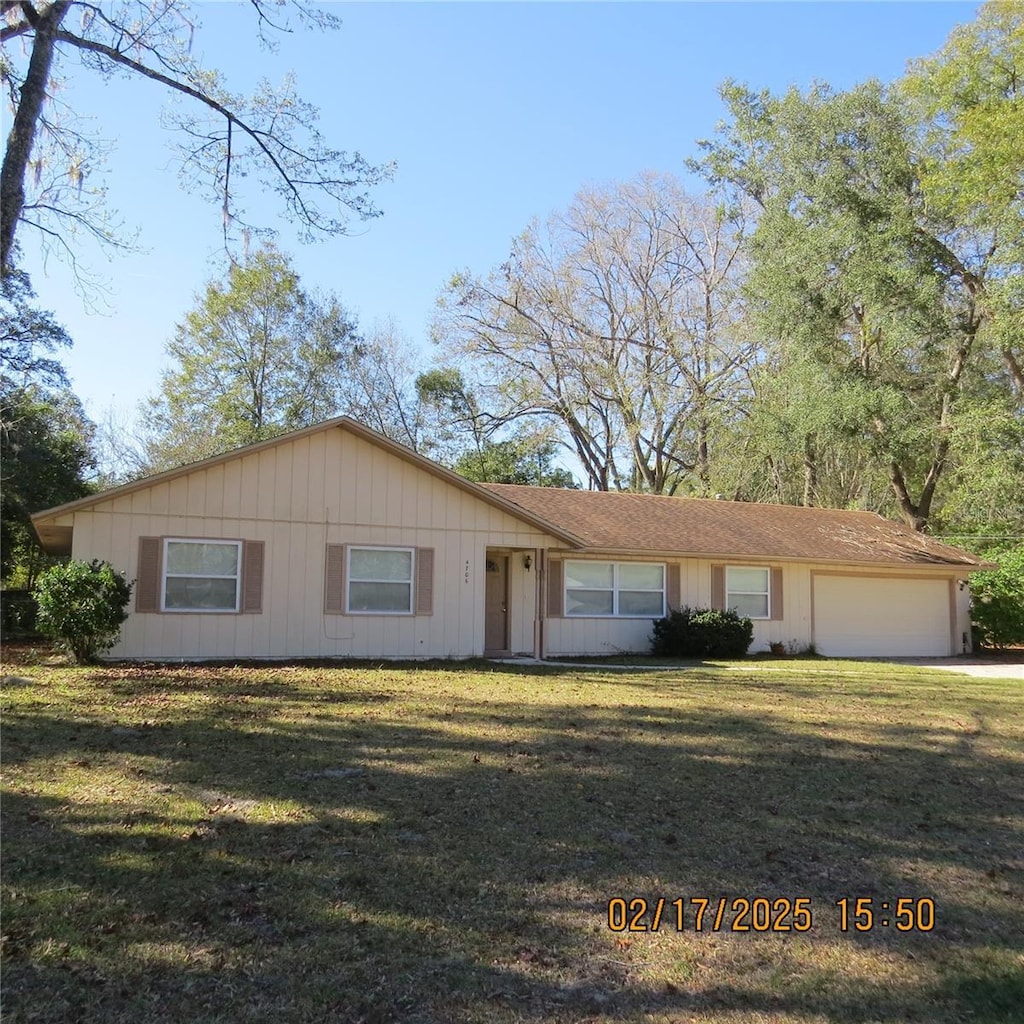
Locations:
1016 371
810 473
31 97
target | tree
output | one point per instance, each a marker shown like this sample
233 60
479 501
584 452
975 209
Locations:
270 137
986 479
997 605
382 392
82 604
257 356
884 296
45 451
515 460
969 99
797 446
618 325
29 337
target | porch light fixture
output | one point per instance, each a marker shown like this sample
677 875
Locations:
527 562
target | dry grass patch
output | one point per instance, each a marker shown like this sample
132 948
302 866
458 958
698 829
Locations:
440 843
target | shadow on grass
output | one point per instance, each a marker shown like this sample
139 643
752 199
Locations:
456 865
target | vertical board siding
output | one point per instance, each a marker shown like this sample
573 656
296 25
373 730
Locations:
233 475
214 492
397 503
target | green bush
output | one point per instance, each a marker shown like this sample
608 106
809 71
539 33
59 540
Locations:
700 633
82 604
17 612
997 605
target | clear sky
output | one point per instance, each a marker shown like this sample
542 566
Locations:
495 114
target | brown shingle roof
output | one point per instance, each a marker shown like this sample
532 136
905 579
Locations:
620 522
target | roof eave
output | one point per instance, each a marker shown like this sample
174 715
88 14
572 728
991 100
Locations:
732 556
40 519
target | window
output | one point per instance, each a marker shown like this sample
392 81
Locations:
201 576
746 590
628 589
380 580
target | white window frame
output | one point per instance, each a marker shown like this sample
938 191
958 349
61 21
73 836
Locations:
767 592
165 574
615 588
349 610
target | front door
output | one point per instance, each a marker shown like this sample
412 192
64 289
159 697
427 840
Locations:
496 604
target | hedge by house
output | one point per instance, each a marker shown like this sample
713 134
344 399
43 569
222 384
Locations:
700 633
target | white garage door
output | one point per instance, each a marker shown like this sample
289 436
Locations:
870 616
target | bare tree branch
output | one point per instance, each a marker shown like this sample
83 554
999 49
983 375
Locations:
274 132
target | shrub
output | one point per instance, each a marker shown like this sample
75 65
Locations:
82 604
997 606
17 612
700 633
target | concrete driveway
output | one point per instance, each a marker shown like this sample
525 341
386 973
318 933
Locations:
1004 666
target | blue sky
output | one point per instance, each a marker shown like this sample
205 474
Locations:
494 113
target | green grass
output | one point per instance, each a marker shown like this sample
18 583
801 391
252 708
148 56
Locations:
439 843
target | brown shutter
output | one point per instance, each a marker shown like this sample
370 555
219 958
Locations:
252 576
775 595
334 585
555 603
718 587
672 586
147 585
424 581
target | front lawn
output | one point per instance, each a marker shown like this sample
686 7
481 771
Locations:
440 844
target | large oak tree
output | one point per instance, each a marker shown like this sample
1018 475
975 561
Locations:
887 256
616 324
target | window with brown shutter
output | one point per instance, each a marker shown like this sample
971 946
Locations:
199 575
755 592
378 580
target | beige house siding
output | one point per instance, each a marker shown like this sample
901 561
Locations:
339 484
583 635
330 487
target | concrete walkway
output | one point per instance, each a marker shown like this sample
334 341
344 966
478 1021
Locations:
1006 667
1012 667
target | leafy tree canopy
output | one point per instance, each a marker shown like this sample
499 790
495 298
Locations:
891 303
45 437
517 460
256 357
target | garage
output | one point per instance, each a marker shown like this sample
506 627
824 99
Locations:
864 616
